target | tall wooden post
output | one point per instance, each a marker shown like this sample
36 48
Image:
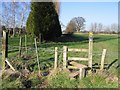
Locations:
4 48
64 57
56 57
90 49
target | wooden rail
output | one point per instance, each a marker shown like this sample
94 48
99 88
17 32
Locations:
78 59
77 50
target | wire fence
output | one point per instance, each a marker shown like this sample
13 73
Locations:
46 57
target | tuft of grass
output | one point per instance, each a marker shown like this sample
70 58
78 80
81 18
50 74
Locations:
61 80
97 81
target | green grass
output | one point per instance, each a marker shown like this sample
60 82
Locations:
46 58
61 80
97 81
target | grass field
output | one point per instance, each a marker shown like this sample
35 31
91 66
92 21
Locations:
106 79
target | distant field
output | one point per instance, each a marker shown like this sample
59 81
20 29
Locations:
46 55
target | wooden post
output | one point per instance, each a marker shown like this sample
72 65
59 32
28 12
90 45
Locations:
56 57
10 64
64 57
0 78
26 43
20 45
37 56
90 50
80 73
4 48
40 38
102 59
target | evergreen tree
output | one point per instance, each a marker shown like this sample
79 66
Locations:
43 20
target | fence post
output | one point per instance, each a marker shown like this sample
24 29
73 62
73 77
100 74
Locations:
40 37
102 59
56 57
90 49
64 57
20 45
4 48
37 56
26 43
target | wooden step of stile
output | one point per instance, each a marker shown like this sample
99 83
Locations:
81 68
74 74
75 64
72 67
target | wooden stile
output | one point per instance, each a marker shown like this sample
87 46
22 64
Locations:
75 65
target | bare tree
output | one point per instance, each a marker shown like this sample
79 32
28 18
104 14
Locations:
100 27
96 27
79 21
14 8
114 28
14 14
107 29
77 24
23 14
9 14
93 27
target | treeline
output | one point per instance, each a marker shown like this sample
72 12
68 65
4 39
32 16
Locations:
77 24
17 31
100 28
